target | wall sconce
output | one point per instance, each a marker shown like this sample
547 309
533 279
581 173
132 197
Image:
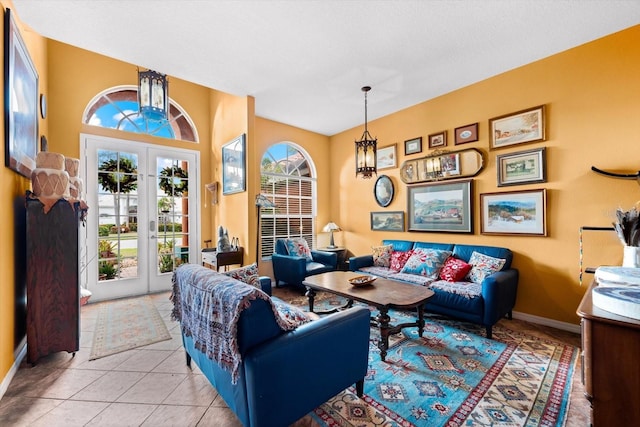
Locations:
330 228
153 95
366 147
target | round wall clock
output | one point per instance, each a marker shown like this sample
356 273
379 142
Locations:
383 190
43 105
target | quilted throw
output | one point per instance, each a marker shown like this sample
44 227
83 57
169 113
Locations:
208 307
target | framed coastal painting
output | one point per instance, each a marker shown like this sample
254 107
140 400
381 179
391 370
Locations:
386 157
523 167
20 101
441 207
514 213
517 128
233 166
387 221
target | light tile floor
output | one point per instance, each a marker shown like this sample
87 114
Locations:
152 386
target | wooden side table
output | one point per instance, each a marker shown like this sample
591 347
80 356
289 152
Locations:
342 256
222 259
610 364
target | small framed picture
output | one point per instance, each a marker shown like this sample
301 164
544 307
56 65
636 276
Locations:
383 191
467 133
387 221
413 146
517 128
438 139
514 213
524 167
386 157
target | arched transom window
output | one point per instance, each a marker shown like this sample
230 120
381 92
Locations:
287 178
118 108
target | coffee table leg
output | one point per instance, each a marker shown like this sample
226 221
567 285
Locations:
311 294
420 320
383 321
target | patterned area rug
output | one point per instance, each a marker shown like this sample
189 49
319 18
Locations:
126 324
454 376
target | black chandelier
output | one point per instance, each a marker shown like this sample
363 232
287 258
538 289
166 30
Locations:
366 147
153 95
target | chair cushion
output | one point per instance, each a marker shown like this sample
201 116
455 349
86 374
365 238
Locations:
399 259
298 246
247 274
483 266
382 255
426 262
454 270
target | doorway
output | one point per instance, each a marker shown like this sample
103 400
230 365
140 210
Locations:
143 219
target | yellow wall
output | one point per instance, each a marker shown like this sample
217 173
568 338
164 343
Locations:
592 95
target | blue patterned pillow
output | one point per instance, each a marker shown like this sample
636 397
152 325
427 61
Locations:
299 247
248 275
293 315
426 262
483 266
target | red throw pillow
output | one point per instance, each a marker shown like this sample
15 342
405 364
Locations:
454 270
399 259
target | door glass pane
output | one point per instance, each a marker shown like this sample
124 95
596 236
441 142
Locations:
173 213
117 212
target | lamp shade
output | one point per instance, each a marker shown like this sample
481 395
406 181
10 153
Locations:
332 226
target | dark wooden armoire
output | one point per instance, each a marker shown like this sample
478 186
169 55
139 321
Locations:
53 279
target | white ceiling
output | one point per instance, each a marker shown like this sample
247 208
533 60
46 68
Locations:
305 61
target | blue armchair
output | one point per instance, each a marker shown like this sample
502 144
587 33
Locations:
292 269
283 375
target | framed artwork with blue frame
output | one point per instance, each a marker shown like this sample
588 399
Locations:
234 178
20 101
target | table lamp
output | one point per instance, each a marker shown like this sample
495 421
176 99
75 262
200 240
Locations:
330 228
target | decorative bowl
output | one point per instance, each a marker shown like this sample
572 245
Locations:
362 280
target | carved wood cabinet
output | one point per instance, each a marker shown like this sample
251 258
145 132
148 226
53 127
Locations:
610 365
53 288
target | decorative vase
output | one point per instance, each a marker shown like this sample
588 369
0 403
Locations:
631 257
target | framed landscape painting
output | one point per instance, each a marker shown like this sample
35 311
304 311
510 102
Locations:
387 221
514 213
386 157
523 167
442 207
517 128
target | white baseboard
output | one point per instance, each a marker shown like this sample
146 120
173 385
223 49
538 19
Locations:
547 322
19 354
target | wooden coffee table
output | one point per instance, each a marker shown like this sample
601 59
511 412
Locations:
382 294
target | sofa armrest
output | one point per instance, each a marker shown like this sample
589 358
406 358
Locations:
322 358
499 292
326 258
265 284
358 262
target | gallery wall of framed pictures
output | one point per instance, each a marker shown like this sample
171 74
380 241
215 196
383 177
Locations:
439 206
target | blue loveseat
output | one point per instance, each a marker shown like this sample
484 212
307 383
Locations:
493 299
283 375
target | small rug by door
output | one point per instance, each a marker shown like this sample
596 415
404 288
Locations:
126 324
454 376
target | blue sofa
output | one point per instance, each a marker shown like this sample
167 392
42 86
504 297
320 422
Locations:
497 292
283 374
292 269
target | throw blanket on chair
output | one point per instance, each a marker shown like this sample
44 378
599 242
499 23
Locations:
208 307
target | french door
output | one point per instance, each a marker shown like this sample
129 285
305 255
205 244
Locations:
143 215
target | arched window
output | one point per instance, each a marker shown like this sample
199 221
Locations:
287 178
117 108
